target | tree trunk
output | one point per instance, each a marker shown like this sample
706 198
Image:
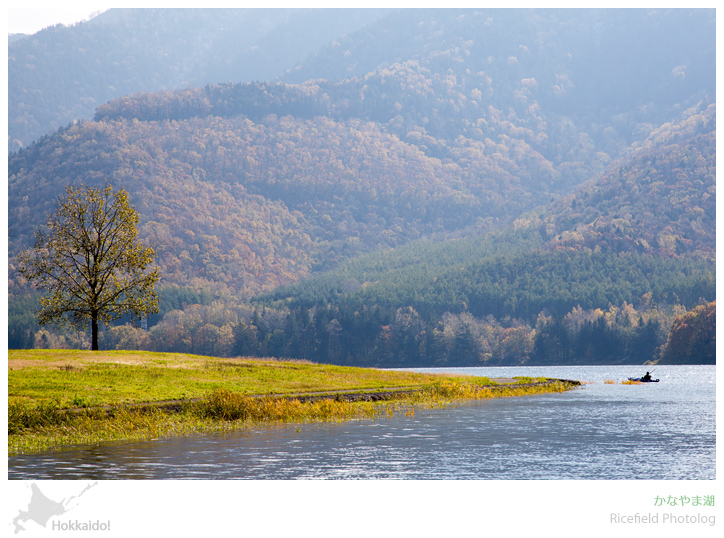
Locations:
94 332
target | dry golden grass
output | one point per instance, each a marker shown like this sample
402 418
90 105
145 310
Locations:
34 428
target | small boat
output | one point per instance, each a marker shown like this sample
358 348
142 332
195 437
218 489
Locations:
642 380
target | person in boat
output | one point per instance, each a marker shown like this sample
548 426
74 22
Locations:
647 377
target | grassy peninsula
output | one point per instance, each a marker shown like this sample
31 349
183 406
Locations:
63 397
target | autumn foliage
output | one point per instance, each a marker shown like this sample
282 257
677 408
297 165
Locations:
692 339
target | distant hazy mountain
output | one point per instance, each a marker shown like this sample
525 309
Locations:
15 37
587 64
61 74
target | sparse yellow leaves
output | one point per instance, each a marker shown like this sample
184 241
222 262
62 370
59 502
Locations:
90 261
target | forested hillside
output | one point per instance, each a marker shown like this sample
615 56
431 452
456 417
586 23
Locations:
595 277
692 339
474 187
660 199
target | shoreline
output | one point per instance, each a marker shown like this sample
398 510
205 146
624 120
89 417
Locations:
374 395
225 411
61 398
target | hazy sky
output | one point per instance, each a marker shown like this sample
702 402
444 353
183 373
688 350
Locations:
36 16
32 19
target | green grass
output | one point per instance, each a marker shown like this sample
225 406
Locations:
86 379
528 379
59 398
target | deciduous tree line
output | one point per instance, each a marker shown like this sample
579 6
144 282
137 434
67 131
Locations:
376 336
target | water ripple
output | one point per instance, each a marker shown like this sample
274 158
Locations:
601 431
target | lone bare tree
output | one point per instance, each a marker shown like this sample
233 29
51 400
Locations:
91 262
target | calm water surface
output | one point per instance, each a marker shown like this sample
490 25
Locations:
662 430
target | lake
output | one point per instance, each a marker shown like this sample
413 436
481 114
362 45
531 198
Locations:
662 430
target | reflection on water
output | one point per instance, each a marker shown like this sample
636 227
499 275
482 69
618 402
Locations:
600 431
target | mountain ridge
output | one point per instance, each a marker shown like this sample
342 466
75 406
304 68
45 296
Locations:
247 188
